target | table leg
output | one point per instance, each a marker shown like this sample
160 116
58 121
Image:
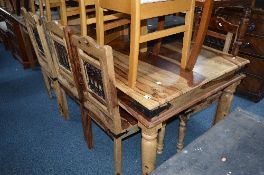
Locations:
225 101
149 148
161 139
182 130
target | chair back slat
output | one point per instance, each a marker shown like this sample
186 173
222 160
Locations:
97 68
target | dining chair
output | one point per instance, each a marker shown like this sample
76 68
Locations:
230 32
40 44
141 10
83 14
60 52
96 69
227 33
117 20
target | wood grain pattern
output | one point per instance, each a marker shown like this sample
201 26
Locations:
162 85
138 12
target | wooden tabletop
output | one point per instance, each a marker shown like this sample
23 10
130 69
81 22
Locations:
161 80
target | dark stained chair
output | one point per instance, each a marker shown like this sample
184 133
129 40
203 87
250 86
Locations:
94 64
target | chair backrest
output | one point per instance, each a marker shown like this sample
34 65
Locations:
39 42
60 55
227 29
221 33
97 69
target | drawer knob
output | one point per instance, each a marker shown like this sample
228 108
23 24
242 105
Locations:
251 27
246 45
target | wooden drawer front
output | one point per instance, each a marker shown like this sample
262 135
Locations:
252 85
256 67
256 24
253 47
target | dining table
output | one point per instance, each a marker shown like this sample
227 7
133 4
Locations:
164 91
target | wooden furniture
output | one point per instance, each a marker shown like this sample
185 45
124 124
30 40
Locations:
37 35
59 53
117 20
225 35
142 10
248 43
231 31
19 41
253 49
219 151
96 70
164 91
68 82
84 15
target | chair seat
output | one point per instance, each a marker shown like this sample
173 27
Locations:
3 26
127 120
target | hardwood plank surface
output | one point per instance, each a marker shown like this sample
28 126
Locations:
162 80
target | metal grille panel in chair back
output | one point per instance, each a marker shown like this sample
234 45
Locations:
62 55
38 41
95 81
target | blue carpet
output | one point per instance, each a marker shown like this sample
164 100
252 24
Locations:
34 138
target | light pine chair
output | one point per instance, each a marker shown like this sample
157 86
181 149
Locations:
117 20
84 15
141 10
96 68
40 45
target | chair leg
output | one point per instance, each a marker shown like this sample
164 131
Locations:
182 129
83 18
63 14
48 10
118 155
144 31
99 23
156 48
187 38
87 127
62 100
134 44
161 135
47 83
65 109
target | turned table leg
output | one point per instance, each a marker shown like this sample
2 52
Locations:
161 139
225 101
182 130
149 148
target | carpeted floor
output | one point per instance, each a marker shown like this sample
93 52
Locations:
34 138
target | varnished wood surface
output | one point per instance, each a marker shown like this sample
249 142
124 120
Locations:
162 80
